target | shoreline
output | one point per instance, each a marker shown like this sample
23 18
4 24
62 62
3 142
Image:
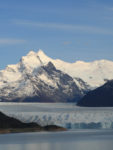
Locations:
52 128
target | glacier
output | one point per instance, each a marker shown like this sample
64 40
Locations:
66 115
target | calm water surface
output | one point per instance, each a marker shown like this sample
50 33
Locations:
70 140
60 114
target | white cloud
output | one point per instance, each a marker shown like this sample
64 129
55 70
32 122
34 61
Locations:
10 41
67 27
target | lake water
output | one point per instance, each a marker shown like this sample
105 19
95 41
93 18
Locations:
89 128
70 140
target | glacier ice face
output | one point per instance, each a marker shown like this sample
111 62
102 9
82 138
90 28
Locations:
66 115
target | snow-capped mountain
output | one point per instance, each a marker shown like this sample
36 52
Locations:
93 73
38 77
33 80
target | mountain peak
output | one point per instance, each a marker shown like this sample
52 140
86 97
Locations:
43 57
41 53
31 53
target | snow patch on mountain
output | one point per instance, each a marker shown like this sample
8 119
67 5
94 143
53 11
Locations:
48 81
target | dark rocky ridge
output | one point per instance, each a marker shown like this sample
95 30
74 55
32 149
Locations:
9 125
100 97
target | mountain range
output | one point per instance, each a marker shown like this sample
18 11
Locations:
39 78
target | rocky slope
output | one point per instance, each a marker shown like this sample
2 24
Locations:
100 97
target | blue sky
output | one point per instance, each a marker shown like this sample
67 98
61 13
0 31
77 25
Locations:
66 29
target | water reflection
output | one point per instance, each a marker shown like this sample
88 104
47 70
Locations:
79 140
78 145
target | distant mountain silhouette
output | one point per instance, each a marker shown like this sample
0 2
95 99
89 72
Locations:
100 97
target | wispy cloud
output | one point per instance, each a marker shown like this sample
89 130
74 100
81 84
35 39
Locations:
109 8
66 43
10 41
67 27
